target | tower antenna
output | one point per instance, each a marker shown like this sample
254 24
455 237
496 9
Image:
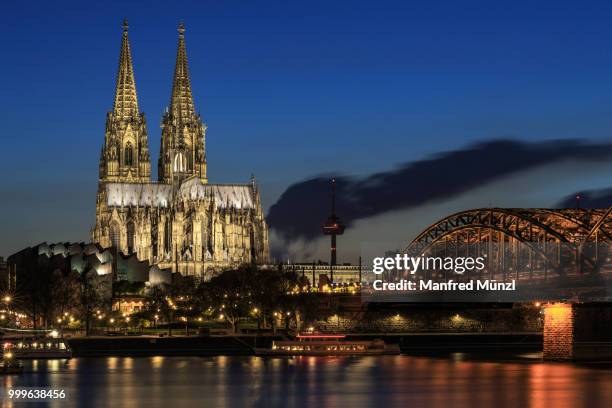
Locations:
333 227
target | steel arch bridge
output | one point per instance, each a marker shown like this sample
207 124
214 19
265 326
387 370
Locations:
528 242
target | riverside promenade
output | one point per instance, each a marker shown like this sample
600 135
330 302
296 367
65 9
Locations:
410 343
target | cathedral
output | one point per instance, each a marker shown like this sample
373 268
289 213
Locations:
181 221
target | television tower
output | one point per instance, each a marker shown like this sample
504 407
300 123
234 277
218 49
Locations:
333 227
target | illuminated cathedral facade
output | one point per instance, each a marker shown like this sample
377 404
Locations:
181 221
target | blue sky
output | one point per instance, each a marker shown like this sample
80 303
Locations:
290 90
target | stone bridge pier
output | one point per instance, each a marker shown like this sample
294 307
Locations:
578 331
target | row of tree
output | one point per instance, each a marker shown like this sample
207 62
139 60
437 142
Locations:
48 290
243 294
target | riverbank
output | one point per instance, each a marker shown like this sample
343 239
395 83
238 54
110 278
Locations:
410 343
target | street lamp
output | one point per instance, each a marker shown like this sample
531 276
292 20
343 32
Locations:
185 320
60 322
7 300
256 314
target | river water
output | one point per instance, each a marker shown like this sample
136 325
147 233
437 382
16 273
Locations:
385 381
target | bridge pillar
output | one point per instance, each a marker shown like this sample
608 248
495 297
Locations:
558 331
577 331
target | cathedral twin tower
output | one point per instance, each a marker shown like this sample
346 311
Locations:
181 222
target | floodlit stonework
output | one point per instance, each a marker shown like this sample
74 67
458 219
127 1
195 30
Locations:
558 331
180 222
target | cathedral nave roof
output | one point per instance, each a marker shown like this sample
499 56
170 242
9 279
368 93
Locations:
238 196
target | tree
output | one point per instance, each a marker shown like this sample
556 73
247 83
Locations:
228 294
236 293
168 300
94 292
160 304
33 288
64 291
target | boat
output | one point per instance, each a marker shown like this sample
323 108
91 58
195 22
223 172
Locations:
38 348
327 345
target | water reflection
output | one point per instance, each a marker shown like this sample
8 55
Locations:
391 381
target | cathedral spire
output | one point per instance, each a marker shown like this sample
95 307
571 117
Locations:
126 102
126 148
182 148
181 101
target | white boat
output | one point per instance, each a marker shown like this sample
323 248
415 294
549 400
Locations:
33 348
327 345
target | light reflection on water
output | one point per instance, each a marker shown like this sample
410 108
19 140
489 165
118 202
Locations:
388 381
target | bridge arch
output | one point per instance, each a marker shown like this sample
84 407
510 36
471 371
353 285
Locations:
547 235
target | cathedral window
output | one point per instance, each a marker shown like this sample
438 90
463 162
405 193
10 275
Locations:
204 234
131 232
180 163
154 243
167 235
188 232
129 155
115 235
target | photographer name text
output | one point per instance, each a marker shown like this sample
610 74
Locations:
450 285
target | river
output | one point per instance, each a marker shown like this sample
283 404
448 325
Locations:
385 381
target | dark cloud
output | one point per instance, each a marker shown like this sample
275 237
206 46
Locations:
304 206
588 199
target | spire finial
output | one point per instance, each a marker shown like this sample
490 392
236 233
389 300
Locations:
126 102
181 101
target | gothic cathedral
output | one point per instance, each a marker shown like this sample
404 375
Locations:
180 222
